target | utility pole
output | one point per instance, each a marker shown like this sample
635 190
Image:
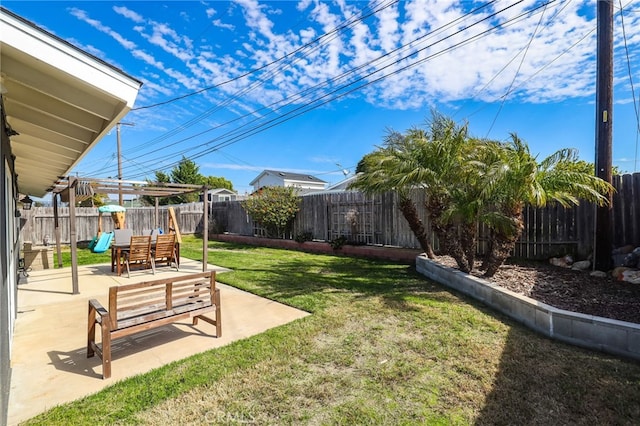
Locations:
604 130
120 201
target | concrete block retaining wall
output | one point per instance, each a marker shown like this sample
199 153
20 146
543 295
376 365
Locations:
603 334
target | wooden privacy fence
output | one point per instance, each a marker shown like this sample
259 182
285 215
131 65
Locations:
38 223
375 219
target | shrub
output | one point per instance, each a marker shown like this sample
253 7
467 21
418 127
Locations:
338 242
304 236
274 208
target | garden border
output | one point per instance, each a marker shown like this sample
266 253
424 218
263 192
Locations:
588 331
396 254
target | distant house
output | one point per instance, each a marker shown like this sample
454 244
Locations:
222 194
304 183
343 185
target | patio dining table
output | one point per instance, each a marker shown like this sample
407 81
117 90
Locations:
117 251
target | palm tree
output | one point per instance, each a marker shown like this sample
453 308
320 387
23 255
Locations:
436 161
519 179
374 172
445 165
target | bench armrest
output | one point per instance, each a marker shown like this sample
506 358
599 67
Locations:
99 309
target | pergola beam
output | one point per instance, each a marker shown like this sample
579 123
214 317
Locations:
140 188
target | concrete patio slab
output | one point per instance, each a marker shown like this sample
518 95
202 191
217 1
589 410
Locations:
49 363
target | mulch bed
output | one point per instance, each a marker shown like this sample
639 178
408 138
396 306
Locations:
567 289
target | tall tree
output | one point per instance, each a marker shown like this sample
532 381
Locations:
160 178
187 172
468 181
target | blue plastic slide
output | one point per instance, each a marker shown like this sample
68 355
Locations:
104 242
93 243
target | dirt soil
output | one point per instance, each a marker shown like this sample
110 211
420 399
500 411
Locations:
563 288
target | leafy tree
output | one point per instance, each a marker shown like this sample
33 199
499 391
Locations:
437 160
215 182
161 177
583 166
186 172
274 208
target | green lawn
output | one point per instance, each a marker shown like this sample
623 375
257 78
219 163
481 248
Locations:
383 346
85 257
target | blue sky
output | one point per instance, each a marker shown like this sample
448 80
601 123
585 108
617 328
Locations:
310 87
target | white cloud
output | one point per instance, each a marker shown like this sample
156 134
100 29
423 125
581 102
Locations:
255 17
429 37
218 23
170 41
82 15
158 88
232 166
388 27
128 13
149 59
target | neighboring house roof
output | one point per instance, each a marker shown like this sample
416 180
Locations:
343 184
225 191
288 176
59 101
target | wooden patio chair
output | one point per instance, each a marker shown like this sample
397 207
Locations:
165 250
121 237
139 253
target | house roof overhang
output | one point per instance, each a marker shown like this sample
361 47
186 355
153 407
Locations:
59 101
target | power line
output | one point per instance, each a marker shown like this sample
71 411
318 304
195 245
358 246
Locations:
308 107
512 89
255 70
524 55
305 92
326 37
238 133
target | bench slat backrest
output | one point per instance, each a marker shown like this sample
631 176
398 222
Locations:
138 303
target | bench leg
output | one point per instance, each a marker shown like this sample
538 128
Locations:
218 321
91 332
218 314
106 351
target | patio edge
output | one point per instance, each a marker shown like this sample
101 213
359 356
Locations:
588 331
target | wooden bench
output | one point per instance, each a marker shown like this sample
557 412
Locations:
143 306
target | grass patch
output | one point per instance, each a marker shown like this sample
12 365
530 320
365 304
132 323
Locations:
85 256
383 346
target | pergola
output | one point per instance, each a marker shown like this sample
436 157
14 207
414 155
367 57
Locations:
74 189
